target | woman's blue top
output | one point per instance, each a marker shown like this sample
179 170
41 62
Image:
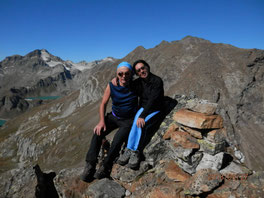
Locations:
124 101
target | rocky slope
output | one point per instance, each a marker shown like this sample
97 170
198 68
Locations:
221 73
38 73
187 157
180 162
57 135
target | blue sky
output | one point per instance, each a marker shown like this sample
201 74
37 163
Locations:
94 29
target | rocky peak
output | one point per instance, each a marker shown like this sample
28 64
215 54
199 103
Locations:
193 40
12 59
138 49
163 43
109 58
35 53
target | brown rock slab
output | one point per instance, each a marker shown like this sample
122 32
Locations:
172 128
167 191
217 135
192 132
174 172
184 140
198 120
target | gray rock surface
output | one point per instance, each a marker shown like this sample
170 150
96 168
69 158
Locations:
234 168
211 161
106 188
211 147
202 106
203 181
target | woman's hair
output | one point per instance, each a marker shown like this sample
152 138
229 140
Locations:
140 61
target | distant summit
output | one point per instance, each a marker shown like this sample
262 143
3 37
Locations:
192 39
38 73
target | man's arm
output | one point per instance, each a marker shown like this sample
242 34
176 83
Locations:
101 125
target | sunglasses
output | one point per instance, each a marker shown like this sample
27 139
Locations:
121 74
141 68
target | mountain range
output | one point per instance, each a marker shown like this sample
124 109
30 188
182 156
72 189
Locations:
56 135
38 74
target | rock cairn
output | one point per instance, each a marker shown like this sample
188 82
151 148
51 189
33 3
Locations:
198 137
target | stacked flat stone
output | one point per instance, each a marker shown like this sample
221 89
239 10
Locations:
198 136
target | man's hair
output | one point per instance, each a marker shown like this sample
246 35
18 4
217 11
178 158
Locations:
140 61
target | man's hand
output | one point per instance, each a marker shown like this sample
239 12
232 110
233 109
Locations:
114 81
99 127
140 122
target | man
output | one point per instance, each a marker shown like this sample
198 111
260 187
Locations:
124 107
149 88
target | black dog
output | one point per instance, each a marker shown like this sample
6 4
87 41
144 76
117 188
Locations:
45 187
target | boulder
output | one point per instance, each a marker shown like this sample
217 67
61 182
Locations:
184 140
234 168
202 106
217 135
183 153
210 147
174 172
172 128
211 161
106 188
190 166
202 181
198 120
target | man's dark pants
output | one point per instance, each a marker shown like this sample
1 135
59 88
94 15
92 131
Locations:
120 137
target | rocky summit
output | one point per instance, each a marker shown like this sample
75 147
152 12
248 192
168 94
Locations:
209 145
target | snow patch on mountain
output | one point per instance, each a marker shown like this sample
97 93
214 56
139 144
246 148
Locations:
69 65
84 65
52 63
81 65
45 55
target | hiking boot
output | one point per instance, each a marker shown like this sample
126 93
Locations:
102 172
134 159
123 158
88 172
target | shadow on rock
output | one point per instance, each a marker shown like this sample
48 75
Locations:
168 106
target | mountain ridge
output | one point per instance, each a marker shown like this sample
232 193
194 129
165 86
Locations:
232 77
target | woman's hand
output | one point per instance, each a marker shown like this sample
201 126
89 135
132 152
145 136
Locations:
99 127
140 122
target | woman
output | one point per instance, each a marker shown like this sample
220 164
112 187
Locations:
124 107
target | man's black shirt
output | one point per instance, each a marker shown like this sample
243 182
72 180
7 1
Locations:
151 93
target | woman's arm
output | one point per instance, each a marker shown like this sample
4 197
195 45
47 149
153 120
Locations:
101 125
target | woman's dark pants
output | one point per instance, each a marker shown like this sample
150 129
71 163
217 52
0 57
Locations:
120 137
